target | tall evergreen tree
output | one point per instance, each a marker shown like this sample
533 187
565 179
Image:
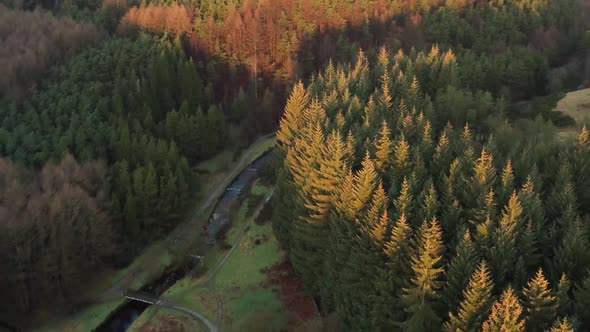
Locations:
292 117
481 182
506 184
404 203
401 159
573 251
504 251
476 303
391 277
420 297
562 325
506 314
430 205
534 212
540 303
459 271
564 301
384 147
582 301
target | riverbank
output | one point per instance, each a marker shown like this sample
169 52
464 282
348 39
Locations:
105 296
255 285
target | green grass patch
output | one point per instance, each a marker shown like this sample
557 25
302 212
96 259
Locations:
252 301
220 162
258 189
262 320
243 267
240 283
237 223
575 106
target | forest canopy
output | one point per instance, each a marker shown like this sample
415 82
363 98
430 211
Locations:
398 215
32 42
419 184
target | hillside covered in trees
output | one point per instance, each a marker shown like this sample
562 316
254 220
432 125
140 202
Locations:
412 190
397 217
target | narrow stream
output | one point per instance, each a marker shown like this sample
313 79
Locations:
124 316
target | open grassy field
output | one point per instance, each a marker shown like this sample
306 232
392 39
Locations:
249 289
576 105
241 285
156 258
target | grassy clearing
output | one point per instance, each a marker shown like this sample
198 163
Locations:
576 105
240 283
259 189
157 257
243 267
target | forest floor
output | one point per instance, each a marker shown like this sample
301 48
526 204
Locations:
575 104
105 295
256 285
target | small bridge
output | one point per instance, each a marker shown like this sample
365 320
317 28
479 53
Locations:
150 299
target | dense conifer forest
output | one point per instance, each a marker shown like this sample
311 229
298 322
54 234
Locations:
420 186
397 217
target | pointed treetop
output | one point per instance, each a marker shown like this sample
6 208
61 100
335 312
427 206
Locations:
400 236
383 57
485 173
379 231
541 304
415 85
563 298
449 58
404 201
434 53
506 314
562 325
443 143
466 132
384 147
427 134
425 283
402 154
476 302
584 138
507 172
511 215
528 186
365 182
430 205
292 117
385 97
378 205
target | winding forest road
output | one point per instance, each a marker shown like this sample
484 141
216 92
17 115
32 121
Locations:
207 283
146 298
121 287
244 161
123 284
